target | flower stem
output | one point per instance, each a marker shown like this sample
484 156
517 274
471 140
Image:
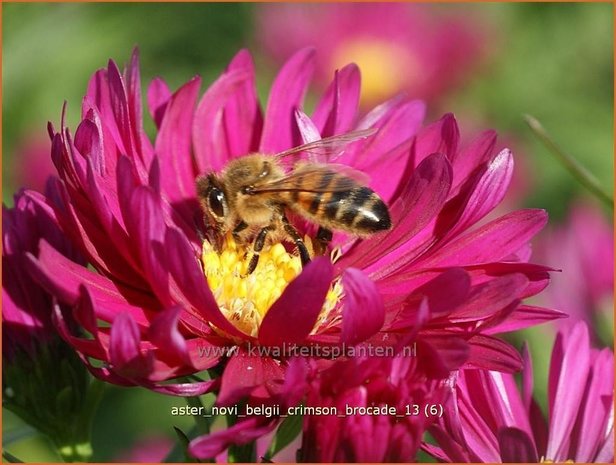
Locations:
77 446
585 177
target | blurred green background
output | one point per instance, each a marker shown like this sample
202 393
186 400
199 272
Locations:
554 61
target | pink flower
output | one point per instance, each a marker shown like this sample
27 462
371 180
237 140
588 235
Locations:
583 248
148 449
356 433
281 394
27 308
173 306
31 164
43 382
491 420
399 47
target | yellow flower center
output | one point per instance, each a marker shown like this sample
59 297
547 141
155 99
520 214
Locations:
243 298
384 66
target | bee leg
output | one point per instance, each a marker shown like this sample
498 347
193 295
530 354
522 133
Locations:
257 248
324 237
237 230
299 243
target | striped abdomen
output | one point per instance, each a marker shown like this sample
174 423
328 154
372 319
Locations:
336 201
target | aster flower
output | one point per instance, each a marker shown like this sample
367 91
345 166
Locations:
43 382
399 47
147 449
393 385
163 304
490 420
583 248
32 150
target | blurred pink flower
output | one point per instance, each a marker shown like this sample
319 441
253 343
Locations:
161 304
26 307
367 382
280 394
148 449
31 164
43 381
398 46
583 248
490 420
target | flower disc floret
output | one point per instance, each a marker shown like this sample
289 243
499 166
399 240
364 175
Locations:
244 299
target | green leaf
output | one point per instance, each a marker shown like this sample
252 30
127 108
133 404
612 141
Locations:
183 444
288 430
242 453
179 452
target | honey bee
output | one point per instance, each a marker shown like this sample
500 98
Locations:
252 195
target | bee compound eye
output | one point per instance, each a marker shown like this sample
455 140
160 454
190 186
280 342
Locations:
216 202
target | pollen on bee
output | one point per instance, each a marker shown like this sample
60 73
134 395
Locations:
245 299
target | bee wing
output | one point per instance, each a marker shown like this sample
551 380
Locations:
328 148
310 177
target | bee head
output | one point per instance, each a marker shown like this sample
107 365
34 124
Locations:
212 197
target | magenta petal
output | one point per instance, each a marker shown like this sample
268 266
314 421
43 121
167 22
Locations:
84 347
487 191
100 207
63 277
396 130
88 140
490 353
522 317
208 135
439 137
337 109
439 454
442 354
489 298
569 367
190 280
154 176
286 95
173 143
146 225
119 105
492 242
181 389
133 86
606 452
527 377
363 313
243 116
597 408
516 446
423 197
158 98
98 95
477 153
380 113
307 129
245 431
455 280
244 372
124 347
300 303
164 333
